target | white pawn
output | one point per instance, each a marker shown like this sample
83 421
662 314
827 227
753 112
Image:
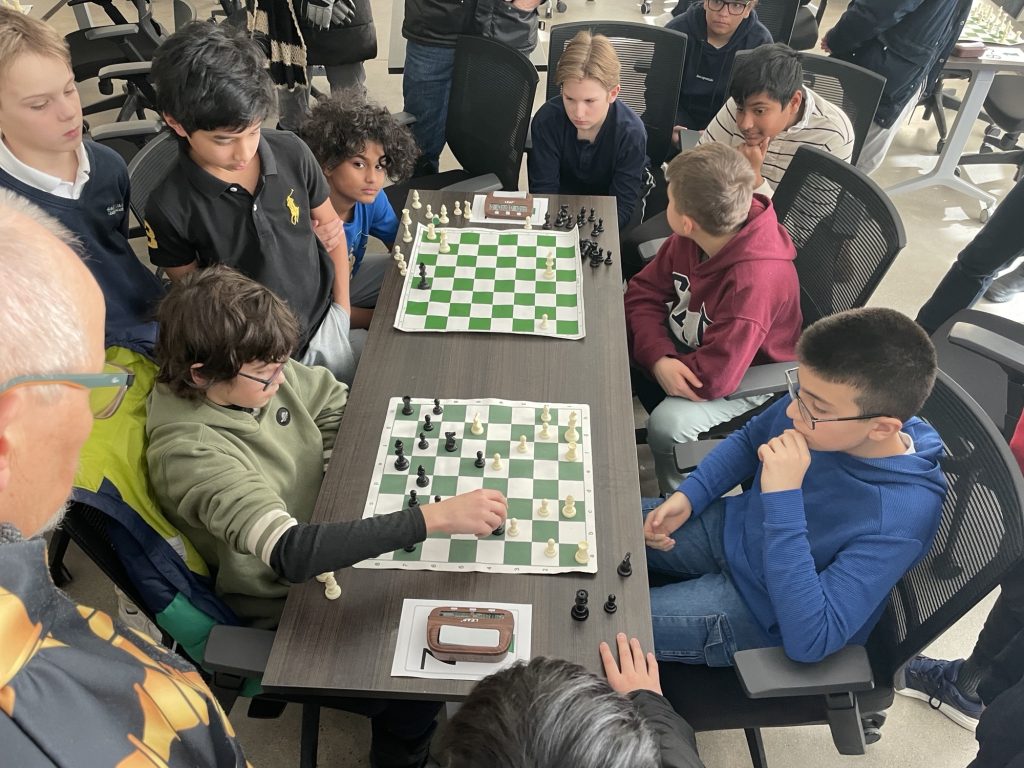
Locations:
570 455
549 266
545 414
496 464
550 550
431 233
444 247
403 271
331 590
406 218
458 209
513 528
407 236
569 509
544 322
583 553
477 428
416 199
543 511
466 210
430 213
522 444
571 435
527 224
397 253
544 433
443 218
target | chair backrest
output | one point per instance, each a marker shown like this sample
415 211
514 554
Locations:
489 108
148 168
652 60
853 89
184 12
779 16
845 228
980 538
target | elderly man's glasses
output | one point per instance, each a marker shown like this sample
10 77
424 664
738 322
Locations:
267 381
735 8
793 383
106 390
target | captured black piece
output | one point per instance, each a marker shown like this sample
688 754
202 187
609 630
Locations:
610 606
625 567
580 611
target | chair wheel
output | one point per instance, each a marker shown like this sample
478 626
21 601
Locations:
939 145
871 735
645 8
874 720
986 149
561 6
983 216
956 172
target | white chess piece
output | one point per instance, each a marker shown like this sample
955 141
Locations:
583 553
444 247
458 209
407 236
571 435
527 224
431 233
550 550
430 213
443 218
397 252
569 509
513 528
522 444
406 218
496 464
477 428
323 577
544 433
466 209
545 414
402 270
570 455
331 590
543 511
544 322
416 199
549 266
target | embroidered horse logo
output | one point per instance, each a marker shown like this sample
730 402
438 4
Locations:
293 207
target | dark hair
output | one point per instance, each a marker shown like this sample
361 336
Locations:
549 713
208 78
338 128
883 354
773 68
221 319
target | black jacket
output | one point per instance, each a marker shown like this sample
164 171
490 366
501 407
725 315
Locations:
439 22
357 41
905 41
673 734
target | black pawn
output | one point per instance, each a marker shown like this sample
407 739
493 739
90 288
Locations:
580 611
423 283
407 406
625 567
413 501
421 477
427 426
479 463
608 259
437 410
449 442
590 218
547 221
600 225
499 531
437 499
410 548
401 463
610 606
423 444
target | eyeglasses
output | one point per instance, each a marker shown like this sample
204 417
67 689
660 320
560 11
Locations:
735 8
106 390
793 383
265 382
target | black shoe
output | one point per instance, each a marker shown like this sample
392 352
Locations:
1006 287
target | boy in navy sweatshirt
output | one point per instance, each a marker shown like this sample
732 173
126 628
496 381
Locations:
846 498
721 294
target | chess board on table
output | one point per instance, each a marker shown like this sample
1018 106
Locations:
542 472
492 281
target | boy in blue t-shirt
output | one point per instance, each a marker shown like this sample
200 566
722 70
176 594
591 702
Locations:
360 146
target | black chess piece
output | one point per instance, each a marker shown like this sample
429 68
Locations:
600 225
423 444
437 409
421 477
407 406
401 463
625 567
608 259
437 499
449 442
580 611
423 284
479 463
610 606
547 221
499 531
410 548
413 500
590 218
427 426
595 232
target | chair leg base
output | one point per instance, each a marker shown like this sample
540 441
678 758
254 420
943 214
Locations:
756 746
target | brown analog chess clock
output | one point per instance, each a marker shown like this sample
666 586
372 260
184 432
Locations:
469 634
501 206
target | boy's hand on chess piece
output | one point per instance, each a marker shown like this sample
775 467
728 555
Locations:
676 379
478 512
331 233
784 460
665 519
635 671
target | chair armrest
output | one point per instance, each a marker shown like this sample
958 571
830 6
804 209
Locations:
125 70
768 673
480 184
689 455
125 129
765 379
649 249
404 118
111 31
989 343
239 651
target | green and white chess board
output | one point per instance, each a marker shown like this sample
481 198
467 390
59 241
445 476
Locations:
527 478
493 281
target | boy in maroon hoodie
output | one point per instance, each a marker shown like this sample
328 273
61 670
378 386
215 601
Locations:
721 295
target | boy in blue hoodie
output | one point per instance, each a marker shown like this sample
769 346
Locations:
716 30
846 498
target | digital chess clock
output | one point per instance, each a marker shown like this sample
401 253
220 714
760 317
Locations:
469 634
499 206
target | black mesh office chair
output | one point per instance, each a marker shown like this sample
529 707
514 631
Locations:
147 170
779 16
980 538
807 26
1004 106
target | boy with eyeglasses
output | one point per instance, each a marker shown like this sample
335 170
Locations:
846 498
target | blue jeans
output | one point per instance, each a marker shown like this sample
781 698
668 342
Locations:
700 618
425 86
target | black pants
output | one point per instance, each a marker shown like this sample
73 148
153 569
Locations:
997 244
401 730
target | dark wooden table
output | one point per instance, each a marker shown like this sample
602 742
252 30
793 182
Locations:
347 646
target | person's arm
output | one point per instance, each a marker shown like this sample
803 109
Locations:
383 221
324 217
865 20
322 396
628 172
325 214
647 295
543 164
168 244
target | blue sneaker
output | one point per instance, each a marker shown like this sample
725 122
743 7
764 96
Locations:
934 681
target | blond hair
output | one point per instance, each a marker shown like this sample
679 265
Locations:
591 57
20 34
712 184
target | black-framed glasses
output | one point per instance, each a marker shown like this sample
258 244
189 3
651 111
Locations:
793 384
267 381
106 390
735 8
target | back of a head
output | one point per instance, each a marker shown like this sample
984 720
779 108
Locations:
774 69
589 56
21 34
884 354
220 319
713 184
208 78
549 713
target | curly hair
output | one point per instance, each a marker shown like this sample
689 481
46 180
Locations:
338 128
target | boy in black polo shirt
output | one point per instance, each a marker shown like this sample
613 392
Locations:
245 197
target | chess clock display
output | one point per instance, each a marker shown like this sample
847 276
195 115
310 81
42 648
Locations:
499 206
469 634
